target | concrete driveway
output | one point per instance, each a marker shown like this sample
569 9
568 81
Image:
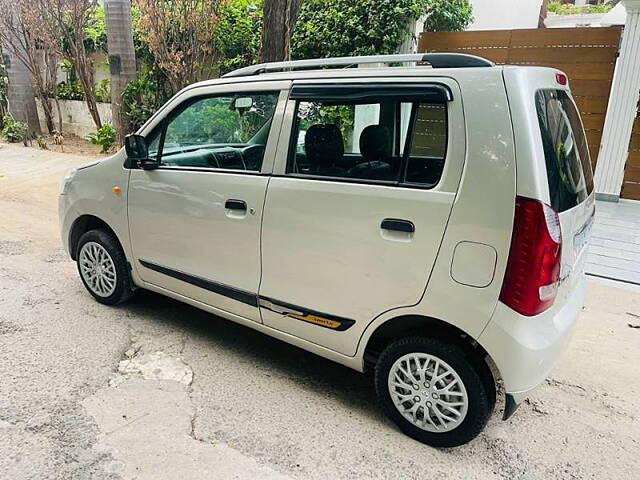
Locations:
158 390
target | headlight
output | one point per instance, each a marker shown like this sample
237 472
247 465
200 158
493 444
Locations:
66 182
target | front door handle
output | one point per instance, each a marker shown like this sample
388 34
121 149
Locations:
398 225
235 205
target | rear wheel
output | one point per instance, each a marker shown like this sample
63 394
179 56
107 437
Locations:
432 392
103 267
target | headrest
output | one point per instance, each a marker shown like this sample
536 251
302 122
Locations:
375 143
323 144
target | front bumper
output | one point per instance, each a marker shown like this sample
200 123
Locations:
65 218
525 349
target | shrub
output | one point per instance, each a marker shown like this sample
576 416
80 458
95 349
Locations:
13 131
103 91
142 98
70 90
237 35
105 136
334 28
570 9
4 85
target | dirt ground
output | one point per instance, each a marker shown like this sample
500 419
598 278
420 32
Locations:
71 144
155 389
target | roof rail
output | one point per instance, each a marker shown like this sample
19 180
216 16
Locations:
436 60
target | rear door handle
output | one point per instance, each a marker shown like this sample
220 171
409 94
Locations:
235 205
398 225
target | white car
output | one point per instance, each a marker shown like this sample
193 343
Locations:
426 222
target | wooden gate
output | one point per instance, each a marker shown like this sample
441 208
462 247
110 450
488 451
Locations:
586 55
631 184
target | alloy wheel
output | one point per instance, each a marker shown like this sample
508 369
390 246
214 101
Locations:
97 269
428 392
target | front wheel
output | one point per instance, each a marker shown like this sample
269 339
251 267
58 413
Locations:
432 392
103 267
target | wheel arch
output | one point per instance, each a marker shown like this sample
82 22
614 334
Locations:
418 325
83 224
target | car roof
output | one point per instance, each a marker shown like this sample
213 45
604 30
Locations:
345 73
364 73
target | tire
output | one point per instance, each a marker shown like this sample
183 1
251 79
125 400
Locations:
99 254
470 395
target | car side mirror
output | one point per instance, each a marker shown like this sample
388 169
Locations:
138 152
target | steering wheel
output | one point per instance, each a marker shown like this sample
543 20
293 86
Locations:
251 155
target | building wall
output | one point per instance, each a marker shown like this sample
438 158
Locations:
76 118
505 14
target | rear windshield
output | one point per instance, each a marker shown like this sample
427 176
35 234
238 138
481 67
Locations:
565 149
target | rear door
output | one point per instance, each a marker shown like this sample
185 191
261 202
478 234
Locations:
364 182
569 176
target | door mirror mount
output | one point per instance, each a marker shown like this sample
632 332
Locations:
138 152
148 163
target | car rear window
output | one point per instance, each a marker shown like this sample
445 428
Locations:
565 149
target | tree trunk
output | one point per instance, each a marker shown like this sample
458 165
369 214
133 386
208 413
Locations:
544 9
122 60
280 17
40 81
21 97
47 109
51 81
84 69
59 115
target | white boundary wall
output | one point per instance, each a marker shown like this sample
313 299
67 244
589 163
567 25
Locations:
76 118
505 14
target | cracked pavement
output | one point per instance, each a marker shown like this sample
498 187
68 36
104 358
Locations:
155 389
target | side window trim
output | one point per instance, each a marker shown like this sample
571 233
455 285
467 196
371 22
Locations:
163 133
431 92
408 142
446 149
178 168
293 138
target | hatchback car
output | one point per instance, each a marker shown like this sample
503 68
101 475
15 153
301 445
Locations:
427 222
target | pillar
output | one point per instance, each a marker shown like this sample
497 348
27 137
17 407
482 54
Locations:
622 110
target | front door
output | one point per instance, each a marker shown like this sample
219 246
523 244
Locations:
354 220
195 221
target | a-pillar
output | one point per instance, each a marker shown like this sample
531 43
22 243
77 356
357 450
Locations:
622 110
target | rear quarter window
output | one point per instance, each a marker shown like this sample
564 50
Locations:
566 150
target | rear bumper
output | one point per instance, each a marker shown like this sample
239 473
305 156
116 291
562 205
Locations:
525 349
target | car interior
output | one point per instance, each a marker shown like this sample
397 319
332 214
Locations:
390 141
214 132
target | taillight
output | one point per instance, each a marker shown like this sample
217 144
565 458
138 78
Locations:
533 269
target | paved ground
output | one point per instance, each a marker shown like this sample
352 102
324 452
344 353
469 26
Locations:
159 390
615 244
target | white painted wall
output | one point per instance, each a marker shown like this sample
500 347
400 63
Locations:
505 14
76 118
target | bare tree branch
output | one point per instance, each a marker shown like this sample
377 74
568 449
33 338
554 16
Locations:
180 34
67 21
24 32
